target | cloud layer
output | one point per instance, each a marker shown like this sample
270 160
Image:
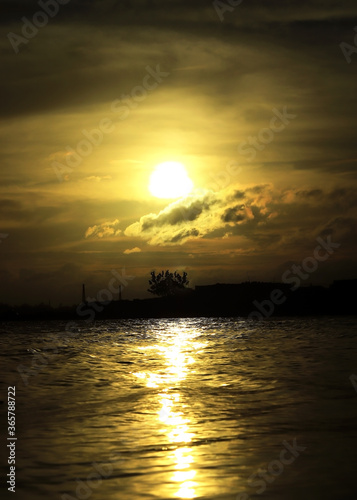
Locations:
261 213
225 78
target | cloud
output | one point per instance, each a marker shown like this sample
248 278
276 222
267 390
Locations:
103 230
132 250
200 215
264 214
177 222
233 214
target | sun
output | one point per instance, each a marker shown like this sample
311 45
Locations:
170 180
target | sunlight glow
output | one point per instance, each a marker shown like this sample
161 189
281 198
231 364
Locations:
178 349
170 180
187 490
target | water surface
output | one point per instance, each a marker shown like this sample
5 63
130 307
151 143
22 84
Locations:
188 408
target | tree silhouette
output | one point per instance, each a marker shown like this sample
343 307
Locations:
167 284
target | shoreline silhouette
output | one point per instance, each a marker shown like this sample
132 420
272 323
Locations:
254 300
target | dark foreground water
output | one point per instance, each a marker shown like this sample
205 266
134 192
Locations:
189 408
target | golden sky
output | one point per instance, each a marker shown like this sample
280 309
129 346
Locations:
260 108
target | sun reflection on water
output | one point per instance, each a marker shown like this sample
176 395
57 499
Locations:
178 349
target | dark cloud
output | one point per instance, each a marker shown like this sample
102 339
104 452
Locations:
10 208
91 51
342 226
343 197
234 214
239 195
178 214
312 193
184 235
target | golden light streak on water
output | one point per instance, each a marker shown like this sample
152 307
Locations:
178 352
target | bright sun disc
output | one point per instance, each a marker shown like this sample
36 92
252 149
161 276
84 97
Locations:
170 180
